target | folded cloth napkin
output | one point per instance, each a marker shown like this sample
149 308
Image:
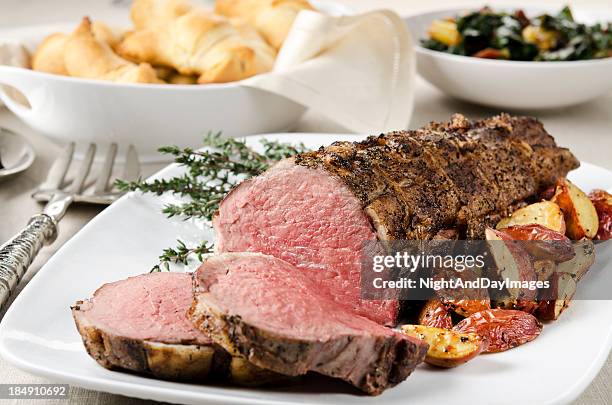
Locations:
357 70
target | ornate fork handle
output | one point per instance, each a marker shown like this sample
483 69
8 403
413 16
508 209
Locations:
17 254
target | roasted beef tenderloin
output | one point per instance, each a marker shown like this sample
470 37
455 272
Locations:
317 209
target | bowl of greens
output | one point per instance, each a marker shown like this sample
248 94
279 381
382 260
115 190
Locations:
515 58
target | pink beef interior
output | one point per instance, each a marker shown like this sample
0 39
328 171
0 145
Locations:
270 294
309 219
149 307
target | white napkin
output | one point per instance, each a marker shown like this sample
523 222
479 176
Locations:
357 70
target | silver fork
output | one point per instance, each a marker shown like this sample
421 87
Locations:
17 254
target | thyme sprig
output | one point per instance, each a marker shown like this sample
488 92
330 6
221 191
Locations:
181 254
211 173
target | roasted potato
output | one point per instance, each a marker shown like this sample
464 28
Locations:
502 329
545 213
529 306
579 212
435 314
462 301
602 200
512 262
544 243
544 269
554 300
503 303
468 307
446 348
582 261
557 297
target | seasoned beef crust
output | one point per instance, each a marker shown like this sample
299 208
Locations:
459 174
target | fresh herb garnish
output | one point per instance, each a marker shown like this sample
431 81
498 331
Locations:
211 173
181 254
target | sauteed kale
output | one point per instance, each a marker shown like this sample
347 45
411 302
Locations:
514 36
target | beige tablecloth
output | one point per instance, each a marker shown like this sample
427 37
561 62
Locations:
586 129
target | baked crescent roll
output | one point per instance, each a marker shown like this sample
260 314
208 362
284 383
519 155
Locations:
150 13
196 42
49 56
272 18
111 35
86 56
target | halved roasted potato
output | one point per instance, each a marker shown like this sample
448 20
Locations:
579 212
467 307
446 348
512 262
545 213
554 301
543 243
435 314
502 329
602 200
582 260
462 301
529 306
544 269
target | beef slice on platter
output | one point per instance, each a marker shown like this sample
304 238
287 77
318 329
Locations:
140 324
277 318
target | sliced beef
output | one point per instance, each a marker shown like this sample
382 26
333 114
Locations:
309 219
277 317
316 210
140 324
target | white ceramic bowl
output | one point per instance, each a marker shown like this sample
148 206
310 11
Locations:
145 115
511 84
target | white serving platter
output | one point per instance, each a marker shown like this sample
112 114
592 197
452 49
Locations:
38 335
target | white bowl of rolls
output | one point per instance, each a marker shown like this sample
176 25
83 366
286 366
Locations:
169 79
